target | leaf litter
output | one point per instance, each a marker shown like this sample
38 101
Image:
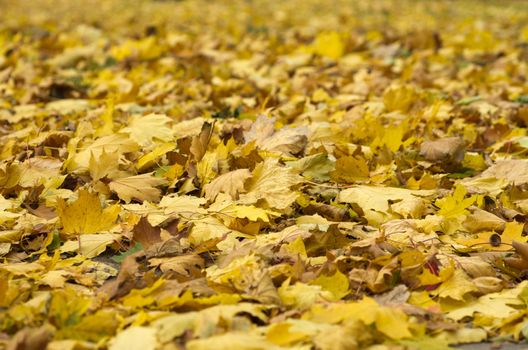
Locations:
262 175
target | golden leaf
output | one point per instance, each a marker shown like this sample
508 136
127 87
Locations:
86 215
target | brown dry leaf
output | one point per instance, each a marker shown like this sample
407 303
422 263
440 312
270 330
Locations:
185 265
449 149
200 142
145 233
127 278
31 338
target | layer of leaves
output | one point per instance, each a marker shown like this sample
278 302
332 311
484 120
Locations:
262 175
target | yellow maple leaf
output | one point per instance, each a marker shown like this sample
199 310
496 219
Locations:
207 168
114 143
299 295
90 245
232 340
455 204
329 44
271 183
232 273
399 98
86 215
337 284
145 49
350 169
393 323
107 119
490 240
67 306
363 310
456 287
391 137
135 337
513 232
250 212
427 278
375 201
105 165
496 305
296 247
149 159
144 129
281 334
483 241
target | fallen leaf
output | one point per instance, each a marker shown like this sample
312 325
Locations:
146 234
144 129
86 215
447 150
90 245
375 201
140 187
271 183
135 337
231 183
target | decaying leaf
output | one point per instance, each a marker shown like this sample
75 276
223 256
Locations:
449 150
146 234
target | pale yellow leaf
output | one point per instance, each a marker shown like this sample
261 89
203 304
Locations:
140 187
135 338
106 164
273 184
231 183
144 129
91 245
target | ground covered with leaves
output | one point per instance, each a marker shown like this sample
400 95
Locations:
263 175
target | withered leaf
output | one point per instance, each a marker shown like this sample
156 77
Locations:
145 233
449 149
